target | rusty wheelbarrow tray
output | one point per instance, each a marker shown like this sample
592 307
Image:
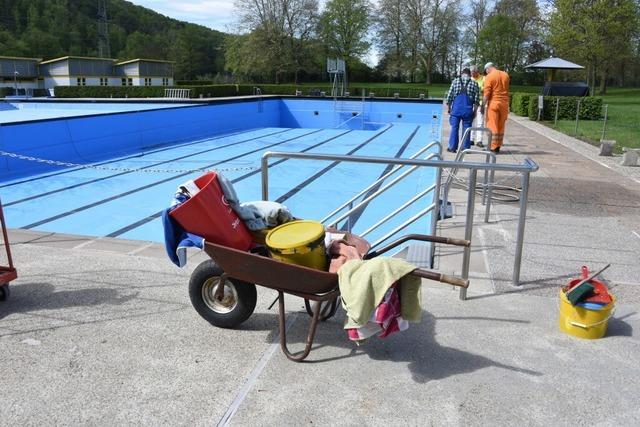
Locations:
231 304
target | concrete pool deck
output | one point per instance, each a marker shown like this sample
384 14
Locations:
101 331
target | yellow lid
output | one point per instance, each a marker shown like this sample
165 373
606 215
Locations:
295 234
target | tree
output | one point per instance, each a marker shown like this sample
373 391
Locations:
479 12
343 27
53 28
526 16
285 28
497 43
598 33
391 32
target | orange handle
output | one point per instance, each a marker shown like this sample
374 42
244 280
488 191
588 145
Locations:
585 271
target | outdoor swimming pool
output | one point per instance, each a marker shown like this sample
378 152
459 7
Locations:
120 199
16 111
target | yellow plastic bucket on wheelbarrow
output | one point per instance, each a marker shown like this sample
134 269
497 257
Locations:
583 322
299 242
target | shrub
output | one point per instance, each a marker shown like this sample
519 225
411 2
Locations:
590 107
194 82
109 91
520 103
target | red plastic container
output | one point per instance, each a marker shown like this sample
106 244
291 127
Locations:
207 214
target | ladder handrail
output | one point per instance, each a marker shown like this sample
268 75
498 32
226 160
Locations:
399 209
460 154
379 180
378 192
487 187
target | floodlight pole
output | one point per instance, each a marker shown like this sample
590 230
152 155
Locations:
15 81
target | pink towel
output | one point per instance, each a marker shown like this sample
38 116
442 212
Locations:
385 320
341 252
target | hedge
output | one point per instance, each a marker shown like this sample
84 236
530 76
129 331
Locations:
194 82
9 91
590 107
211 91
143 91
109 91
520 103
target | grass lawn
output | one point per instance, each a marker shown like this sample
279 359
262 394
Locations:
411 90
623 123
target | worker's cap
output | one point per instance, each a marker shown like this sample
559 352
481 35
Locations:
488 65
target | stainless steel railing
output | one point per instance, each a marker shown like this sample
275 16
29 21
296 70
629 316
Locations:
525 169
487 187
379 181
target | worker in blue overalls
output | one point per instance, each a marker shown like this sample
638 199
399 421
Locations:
462 102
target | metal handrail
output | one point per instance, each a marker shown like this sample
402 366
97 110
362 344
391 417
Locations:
378 181
526 168
487 187
404 225
378 192
460 154
398 210
528 164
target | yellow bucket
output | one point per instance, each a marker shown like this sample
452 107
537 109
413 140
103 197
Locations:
584 323
299 242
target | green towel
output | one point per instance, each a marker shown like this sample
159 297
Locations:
364 283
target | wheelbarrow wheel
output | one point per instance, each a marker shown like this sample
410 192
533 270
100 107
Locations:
4 292
225 308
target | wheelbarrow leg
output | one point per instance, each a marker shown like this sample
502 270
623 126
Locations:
327 311
298 357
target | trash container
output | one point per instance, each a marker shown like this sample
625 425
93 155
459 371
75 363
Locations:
207 214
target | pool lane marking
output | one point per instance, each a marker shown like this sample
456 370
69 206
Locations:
153 184
92 181
317 175
355 216
120 159
158 214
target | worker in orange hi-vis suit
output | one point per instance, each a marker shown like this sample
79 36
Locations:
495 103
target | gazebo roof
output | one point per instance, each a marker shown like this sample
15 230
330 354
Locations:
555 64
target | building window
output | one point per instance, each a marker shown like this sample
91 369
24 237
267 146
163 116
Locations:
124 81
147 81
127 81
81 81
104 81
165 81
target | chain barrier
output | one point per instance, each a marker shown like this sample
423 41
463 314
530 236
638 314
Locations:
115 169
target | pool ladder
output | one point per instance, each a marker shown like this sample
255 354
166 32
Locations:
356 108
258 92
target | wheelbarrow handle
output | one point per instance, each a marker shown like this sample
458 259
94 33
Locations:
418 237
439 277
458 242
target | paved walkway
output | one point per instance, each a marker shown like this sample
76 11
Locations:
100 331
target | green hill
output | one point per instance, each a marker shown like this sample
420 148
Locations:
53 28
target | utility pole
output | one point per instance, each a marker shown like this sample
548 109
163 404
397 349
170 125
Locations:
104 48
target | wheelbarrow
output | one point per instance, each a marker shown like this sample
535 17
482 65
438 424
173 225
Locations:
7 272
229 305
